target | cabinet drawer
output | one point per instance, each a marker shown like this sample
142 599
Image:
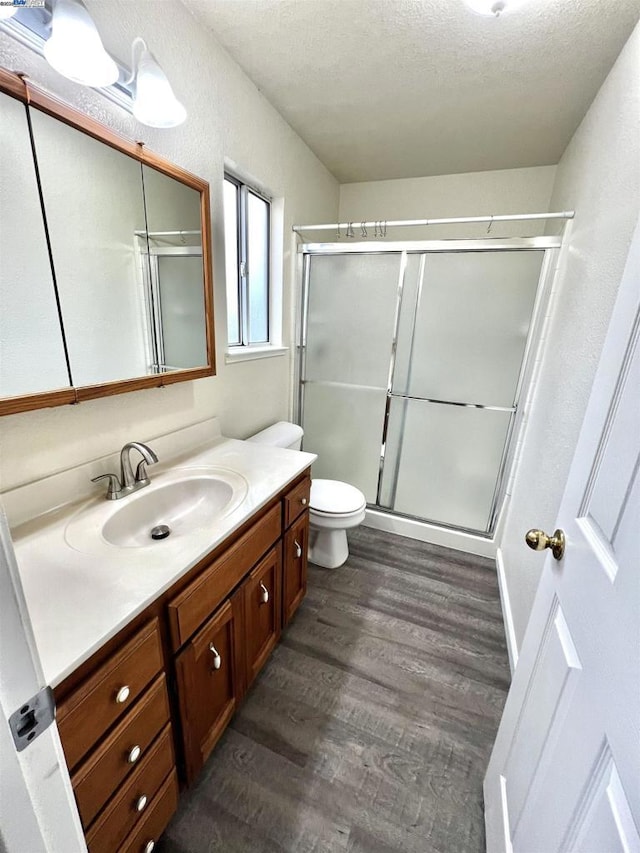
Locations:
92 708
114 759
159 812
296 501
134 798
261 612
195 604
296 546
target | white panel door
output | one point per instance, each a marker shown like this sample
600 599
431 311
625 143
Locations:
564 774
38 812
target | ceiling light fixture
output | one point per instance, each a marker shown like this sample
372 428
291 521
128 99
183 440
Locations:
494 8
75 48
154 102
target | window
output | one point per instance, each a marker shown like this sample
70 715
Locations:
247 216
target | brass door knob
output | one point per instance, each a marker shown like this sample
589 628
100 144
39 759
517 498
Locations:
538 541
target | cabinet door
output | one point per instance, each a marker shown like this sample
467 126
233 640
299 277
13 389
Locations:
207 679
296 542
261 612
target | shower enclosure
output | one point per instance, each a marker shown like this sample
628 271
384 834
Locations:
412 362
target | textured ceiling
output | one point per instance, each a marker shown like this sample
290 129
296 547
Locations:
400 88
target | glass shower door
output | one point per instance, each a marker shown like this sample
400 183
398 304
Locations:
180 310
351 313
455 384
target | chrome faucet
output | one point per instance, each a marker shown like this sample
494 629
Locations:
120 488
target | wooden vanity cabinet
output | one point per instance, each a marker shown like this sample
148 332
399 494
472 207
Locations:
296 501
262 609
208 688
218 664
112 689
117 735
198 601
295 546
120 817
170 682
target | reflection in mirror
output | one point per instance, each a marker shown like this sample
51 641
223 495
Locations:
32 357
175 274
94 205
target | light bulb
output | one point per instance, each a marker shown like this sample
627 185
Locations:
75 48
154 102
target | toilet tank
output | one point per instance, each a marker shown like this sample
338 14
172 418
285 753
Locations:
282 434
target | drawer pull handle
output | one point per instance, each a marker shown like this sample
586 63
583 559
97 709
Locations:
123 694
217 660
264 593
298 549
141 803
134 755
304 501
149 847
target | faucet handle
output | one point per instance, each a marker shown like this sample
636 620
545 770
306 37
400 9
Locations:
114 485
141 472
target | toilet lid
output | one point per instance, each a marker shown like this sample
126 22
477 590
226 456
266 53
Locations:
335 497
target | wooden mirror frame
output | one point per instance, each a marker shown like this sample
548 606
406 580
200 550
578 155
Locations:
23 90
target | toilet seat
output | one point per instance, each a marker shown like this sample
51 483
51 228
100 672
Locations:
335 499
316 513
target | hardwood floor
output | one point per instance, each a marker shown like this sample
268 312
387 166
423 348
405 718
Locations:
370 728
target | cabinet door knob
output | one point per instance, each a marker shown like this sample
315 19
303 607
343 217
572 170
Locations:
141 803
264 593
123 694
298 549
134 755
304 501
149 847
217 660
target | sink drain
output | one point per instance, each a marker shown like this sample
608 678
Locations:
160 531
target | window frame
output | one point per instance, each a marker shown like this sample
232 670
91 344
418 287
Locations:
243 268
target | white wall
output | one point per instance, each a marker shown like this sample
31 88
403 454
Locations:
228 117
469 194
599 176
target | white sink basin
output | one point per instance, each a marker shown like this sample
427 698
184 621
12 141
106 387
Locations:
186 500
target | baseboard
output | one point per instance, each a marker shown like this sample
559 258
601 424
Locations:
430 533
507 615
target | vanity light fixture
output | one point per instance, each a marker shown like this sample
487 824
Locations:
494 8
65 34
154 102
75 48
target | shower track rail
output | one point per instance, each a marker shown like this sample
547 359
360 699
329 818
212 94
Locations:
455 220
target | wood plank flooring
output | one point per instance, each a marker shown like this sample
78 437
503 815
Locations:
369 730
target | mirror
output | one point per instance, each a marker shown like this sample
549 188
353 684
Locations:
109 287
94 205
174 270
32 355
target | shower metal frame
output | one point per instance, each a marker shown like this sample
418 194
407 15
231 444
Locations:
550 246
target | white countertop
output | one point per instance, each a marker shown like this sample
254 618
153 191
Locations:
77 601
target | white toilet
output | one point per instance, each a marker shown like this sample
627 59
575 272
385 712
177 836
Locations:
334 508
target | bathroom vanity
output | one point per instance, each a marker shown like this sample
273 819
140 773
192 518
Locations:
151 646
